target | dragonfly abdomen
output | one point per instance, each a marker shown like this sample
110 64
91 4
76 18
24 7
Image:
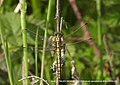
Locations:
58 54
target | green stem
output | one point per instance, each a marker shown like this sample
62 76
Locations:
98 4
7 58
36 53
24 36
35 7
45 39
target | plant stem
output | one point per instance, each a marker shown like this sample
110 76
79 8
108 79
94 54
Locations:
45 38
36 7
24 36
58 19
98 4
36 53
86 36
58 14
7 58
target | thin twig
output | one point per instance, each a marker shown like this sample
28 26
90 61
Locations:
84 28
105 44
35 78
74 39
58 14
58 18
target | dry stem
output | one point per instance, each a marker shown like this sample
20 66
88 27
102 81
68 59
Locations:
86 36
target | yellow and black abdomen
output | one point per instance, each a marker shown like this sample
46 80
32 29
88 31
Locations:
58 55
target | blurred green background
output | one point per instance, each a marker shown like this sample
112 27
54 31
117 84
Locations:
88 65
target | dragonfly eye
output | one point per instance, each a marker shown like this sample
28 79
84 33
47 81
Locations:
55 34
61 34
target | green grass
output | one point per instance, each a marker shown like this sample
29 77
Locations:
7 57
45 37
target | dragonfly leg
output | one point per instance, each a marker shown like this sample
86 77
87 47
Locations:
54 66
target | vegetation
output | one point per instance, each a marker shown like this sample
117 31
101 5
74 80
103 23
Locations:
92 48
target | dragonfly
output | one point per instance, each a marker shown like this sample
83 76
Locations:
57 43
57 47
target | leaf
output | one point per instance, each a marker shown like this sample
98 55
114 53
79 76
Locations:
14 21
10 24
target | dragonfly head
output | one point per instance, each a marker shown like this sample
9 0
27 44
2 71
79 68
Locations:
58 33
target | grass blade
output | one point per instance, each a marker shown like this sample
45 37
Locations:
45 38
98 4
36 53
7 58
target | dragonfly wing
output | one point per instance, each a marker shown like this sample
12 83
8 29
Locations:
52 45
54 65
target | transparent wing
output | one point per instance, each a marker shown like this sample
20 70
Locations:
50 45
